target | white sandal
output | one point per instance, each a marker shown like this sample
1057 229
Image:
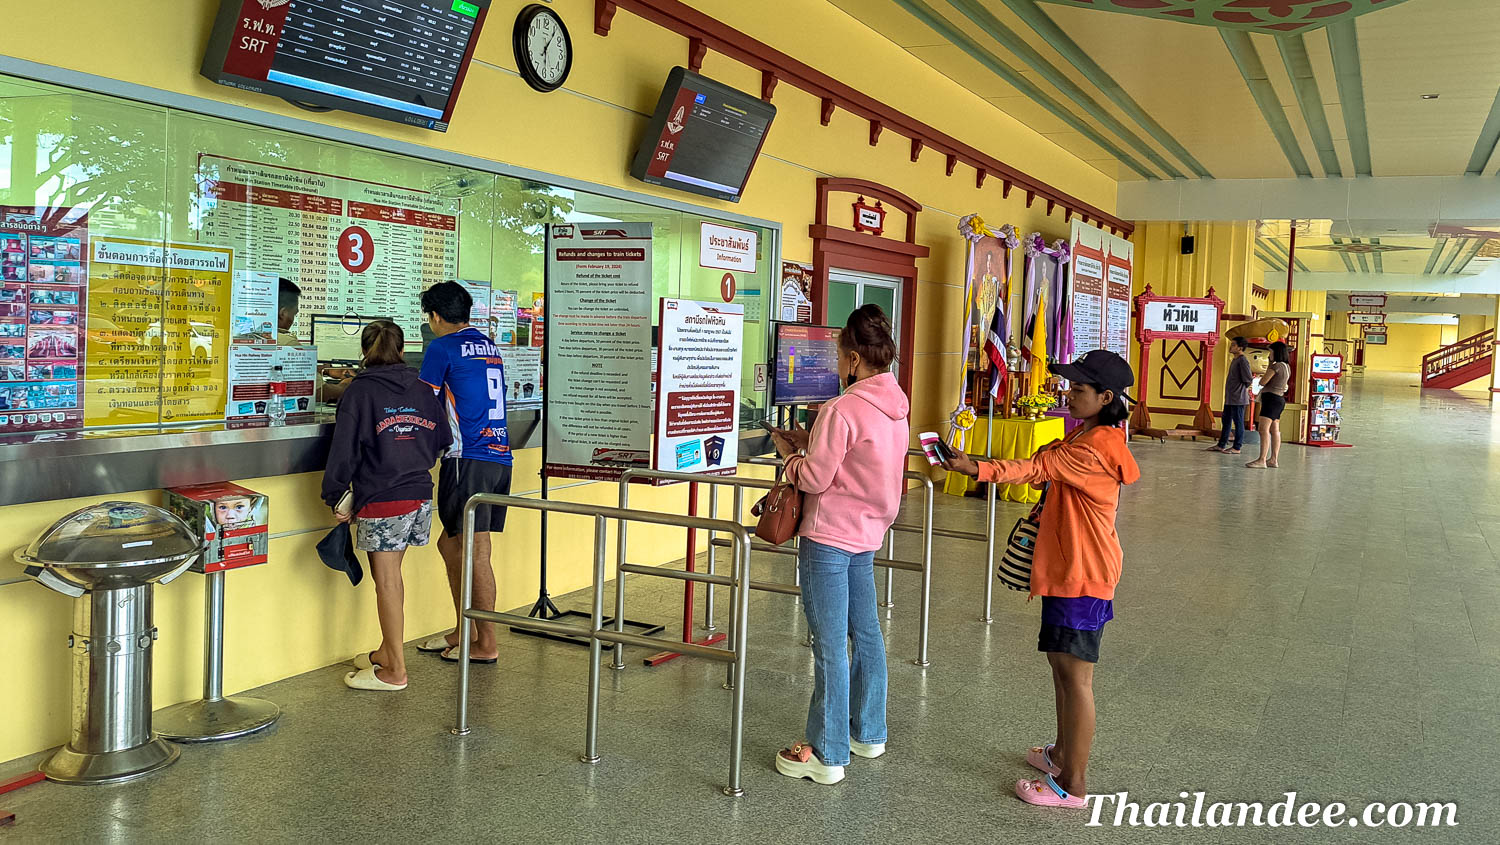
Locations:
437 643
363 661
366 679
868 750
805 764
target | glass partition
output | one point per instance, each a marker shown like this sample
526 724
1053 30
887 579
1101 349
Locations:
142 248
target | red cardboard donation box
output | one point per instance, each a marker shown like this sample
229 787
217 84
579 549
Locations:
233 520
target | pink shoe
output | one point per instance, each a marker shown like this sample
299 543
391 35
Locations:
1046 793
1041 760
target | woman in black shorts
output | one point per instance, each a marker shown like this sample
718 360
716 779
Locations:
1273 384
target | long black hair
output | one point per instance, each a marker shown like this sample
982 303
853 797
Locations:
1279 353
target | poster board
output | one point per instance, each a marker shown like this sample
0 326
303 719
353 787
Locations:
1102 270
353 246
598 355
1118 283
697 419
794 304
43 317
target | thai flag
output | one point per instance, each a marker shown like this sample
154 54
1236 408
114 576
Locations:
994 347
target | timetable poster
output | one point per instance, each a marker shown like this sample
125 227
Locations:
354 247
43 281
1117 298
1088 298
159 335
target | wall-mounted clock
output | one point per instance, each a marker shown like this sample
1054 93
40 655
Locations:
544 52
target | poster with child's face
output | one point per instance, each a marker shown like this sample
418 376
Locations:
232 512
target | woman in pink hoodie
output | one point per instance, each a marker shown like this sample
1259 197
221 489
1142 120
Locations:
849 470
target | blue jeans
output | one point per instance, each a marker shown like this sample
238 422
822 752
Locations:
1234 417
838 596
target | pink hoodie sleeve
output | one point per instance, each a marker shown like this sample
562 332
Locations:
825 453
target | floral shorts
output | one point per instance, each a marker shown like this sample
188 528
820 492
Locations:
393 533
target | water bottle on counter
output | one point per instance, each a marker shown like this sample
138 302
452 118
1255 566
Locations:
276 405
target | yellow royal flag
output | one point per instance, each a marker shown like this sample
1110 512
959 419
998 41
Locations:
1036 377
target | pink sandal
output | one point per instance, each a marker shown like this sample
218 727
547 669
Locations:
1041 760
1046 793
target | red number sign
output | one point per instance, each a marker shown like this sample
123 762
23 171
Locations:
356 249
726 287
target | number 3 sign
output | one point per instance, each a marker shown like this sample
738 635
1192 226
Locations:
356 249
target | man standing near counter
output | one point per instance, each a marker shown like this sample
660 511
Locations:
288 300
464 367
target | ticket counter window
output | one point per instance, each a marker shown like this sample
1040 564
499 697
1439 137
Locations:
849 291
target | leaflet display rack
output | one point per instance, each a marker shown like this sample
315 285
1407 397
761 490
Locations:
1325 405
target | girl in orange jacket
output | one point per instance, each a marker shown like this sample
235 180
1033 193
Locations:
1077 559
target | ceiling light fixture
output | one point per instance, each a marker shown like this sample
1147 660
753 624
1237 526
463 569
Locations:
1431 96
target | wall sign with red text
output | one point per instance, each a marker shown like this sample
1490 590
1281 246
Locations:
697 417
354 247
869 219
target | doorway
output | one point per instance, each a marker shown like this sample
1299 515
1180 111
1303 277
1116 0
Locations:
849 290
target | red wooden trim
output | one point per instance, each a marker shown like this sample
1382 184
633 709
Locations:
875 127
979 177
767 84
859 239
916 148
1051 204
1005 189
1030 197
697 49
951 163
831 184
684 20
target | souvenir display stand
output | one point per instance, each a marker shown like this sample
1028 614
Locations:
1325 402
1176 318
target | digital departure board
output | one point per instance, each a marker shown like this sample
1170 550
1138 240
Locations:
703 138
401 60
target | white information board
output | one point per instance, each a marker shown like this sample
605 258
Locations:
598 350
1179 317
697 419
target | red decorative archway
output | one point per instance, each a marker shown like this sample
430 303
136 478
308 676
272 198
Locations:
836 247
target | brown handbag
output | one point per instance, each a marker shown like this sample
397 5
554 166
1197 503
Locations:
779 512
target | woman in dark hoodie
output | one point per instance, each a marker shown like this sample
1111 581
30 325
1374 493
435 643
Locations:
390 430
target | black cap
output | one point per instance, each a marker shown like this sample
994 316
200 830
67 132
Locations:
1100 367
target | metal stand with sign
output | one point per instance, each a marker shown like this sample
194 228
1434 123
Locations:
616 258
1325 403
1176 318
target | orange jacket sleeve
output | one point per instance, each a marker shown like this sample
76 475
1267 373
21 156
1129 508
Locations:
1070 463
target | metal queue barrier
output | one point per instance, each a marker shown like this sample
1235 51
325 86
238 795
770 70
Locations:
987 537
596 633
741 483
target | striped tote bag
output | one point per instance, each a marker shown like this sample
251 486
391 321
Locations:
1014 567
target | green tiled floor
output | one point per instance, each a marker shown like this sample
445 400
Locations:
1332 627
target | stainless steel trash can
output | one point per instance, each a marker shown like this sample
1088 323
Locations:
107 557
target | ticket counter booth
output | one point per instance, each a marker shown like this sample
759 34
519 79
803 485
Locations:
139 314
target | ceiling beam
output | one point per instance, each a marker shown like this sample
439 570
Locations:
1269 256
1299 67
1377 257
1458 246
1432 259
1473 253
1343 40
939 24
1348 262
1364 262
1254 73
1285 252
1042 25
1489 136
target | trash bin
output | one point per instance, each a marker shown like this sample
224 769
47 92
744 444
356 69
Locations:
107 557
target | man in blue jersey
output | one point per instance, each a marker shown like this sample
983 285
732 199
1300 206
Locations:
464 367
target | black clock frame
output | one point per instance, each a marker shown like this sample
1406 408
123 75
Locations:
523 55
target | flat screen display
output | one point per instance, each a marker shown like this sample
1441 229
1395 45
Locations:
704 137
401 60
807 364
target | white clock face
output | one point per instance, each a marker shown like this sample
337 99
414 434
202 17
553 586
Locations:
546 48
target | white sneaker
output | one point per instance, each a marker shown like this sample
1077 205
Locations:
871 751
807 765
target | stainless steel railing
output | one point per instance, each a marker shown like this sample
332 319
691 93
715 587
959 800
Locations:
596 633
739 485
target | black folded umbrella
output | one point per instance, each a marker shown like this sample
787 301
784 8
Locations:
337 552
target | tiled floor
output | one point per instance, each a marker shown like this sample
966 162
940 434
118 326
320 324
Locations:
1331 627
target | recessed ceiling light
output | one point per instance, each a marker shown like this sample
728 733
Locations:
1431 96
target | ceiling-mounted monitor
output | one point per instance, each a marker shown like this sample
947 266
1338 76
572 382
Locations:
704 137
401 60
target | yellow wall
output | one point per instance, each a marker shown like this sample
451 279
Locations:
1223 259
1405 345
293 615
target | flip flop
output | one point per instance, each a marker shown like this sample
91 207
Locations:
1216 449
805 764
451 656
366 679
1041 759
434 644
1046 793
363 661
